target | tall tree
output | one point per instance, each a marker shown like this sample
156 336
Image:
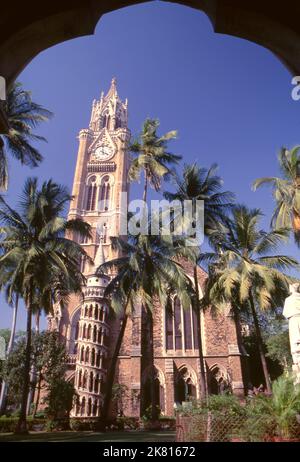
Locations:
33 243
152 156
147 272
201 184
23 116
245 272
286 192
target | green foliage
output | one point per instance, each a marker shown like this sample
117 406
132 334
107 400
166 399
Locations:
281 408
278 349
8 424
152 156
285 191
59 399
23 115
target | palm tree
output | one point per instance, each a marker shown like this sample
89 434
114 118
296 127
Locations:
286 192
152 159
33 245
244 272
147 271
23 116
201 184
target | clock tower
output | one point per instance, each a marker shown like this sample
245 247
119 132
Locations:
99 181
101 171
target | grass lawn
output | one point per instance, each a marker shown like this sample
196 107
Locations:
133 436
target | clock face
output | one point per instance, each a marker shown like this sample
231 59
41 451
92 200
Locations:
103 153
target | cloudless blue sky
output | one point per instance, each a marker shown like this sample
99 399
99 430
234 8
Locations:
229 99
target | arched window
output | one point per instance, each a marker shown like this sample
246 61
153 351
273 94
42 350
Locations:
91 311
104 121
87 355
93 357
104 194
89 332
83 406
185 385
91 194
89 407
82 354
86 311
95 334
180 327
91 381
98 359
96 313
84 331
84 379
96 385
80 379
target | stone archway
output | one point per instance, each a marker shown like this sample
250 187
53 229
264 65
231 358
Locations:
27 30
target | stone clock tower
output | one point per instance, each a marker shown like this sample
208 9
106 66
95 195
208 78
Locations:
100 178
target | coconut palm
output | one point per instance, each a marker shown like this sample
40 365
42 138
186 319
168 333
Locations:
152 157
146 272
34 247
201 184
286 192
23 116
245 272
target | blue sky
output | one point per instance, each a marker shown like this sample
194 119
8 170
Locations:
229 99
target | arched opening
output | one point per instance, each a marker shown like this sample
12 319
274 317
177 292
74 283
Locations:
185 385
104 194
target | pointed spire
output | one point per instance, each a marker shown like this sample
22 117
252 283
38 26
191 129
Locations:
99 257
113 88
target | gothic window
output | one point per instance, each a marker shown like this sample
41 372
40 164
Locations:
91 194
180 327
91 381
104 195
185 385
89 407
118 122
94 334
93 357
84 380
104 121
82 354
98 359
96 388
87 355
83 406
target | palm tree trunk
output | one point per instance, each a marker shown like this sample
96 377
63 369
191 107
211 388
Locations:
37 402
22 423
33 377
203 386
112 368
4 388
145 187
260 345
152 378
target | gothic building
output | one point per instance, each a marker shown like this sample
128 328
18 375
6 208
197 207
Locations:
88 327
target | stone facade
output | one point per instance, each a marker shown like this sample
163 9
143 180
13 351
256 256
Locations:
90 329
